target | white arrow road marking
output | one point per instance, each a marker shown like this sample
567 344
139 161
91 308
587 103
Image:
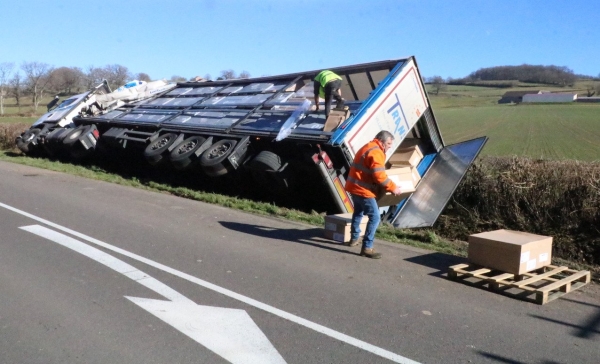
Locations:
252 302
230 333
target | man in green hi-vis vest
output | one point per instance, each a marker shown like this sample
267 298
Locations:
327 85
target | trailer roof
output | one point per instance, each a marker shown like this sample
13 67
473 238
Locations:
254 106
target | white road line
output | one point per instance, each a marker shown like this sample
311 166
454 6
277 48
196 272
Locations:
229 333
252 302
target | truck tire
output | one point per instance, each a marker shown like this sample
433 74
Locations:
264 168
53 141
183 154
155 150
217 153
24 142
72 136
85 144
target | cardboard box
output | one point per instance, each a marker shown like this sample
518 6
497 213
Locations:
410 156
510 251
403 177
337 227
335 118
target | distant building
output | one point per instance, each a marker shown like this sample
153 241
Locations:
588 99
516 96
550 97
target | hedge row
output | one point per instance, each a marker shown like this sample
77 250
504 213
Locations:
555 198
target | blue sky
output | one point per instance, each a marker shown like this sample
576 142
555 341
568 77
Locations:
268 37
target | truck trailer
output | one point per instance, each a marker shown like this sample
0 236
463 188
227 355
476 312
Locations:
267 129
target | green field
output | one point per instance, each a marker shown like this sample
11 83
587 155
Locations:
546 131
558 131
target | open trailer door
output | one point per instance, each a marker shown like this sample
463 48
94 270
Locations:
437 185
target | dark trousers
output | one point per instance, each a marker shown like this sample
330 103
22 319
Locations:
332 90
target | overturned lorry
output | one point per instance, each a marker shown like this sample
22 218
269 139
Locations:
266 128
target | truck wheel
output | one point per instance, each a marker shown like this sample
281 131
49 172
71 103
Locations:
217 153
264 169
72 136
183 154
24 141
53 142
154 151
84 145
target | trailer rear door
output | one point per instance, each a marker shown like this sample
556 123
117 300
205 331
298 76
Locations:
438 184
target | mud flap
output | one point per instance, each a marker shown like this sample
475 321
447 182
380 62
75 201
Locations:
423 207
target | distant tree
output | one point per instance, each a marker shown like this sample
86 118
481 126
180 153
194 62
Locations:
176 78
553 75
16 89
94 76
244 74
117 75
597 88
143 77
67 80
227 75
37 78
208 77
590 89
438 84
6 69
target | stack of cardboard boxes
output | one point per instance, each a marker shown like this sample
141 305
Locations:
335 118
337 227
402 169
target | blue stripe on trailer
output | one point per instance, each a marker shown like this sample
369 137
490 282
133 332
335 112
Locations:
338 136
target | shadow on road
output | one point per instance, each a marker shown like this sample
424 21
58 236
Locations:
586 330
439 261
503 359
312 237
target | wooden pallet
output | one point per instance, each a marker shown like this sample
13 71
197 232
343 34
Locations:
544 285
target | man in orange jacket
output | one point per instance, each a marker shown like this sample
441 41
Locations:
366 178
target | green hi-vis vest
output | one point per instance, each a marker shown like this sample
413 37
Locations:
323 78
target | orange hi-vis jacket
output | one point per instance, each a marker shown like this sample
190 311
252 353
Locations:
367 175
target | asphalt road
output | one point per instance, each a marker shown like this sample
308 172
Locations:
92 272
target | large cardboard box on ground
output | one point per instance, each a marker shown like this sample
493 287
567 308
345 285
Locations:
404 177
337 227
510 251
410 156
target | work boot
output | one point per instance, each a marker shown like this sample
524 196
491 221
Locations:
370 253
352 242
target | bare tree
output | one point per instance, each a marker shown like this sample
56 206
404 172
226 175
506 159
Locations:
143 77
176 78
117 75
67 80
6 70
244 74
590 89
438 84
16 89
37 77
208 77
227 75
94 76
